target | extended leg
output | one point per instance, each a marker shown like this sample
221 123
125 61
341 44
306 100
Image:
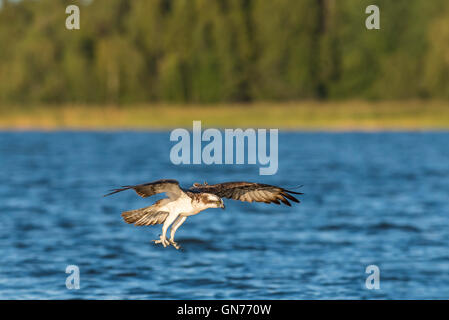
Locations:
167 223
180 220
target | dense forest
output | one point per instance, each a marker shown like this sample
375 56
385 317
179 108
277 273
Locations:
205 51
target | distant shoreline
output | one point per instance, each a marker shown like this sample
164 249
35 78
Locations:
312 116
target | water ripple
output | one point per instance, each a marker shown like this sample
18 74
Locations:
378 198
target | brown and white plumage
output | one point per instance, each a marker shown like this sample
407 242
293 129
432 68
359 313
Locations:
181 203
169 186
249 191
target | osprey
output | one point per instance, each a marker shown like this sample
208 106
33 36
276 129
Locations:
182 203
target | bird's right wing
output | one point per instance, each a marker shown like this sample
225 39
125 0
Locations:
249 191
169 186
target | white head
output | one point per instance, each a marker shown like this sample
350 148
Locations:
212 201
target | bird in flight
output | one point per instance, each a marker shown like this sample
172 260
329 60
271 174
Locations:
182 203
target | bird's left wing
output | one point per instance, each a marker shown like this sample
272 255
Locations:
169 186
249 191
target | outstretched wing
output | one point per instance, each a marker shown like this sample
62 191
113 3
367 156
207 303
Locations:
169 186
249 191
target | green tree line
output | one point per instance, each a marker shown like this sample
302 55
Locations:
205 51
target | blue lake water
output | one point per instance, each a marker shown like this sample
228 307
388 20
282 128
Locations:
370 199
